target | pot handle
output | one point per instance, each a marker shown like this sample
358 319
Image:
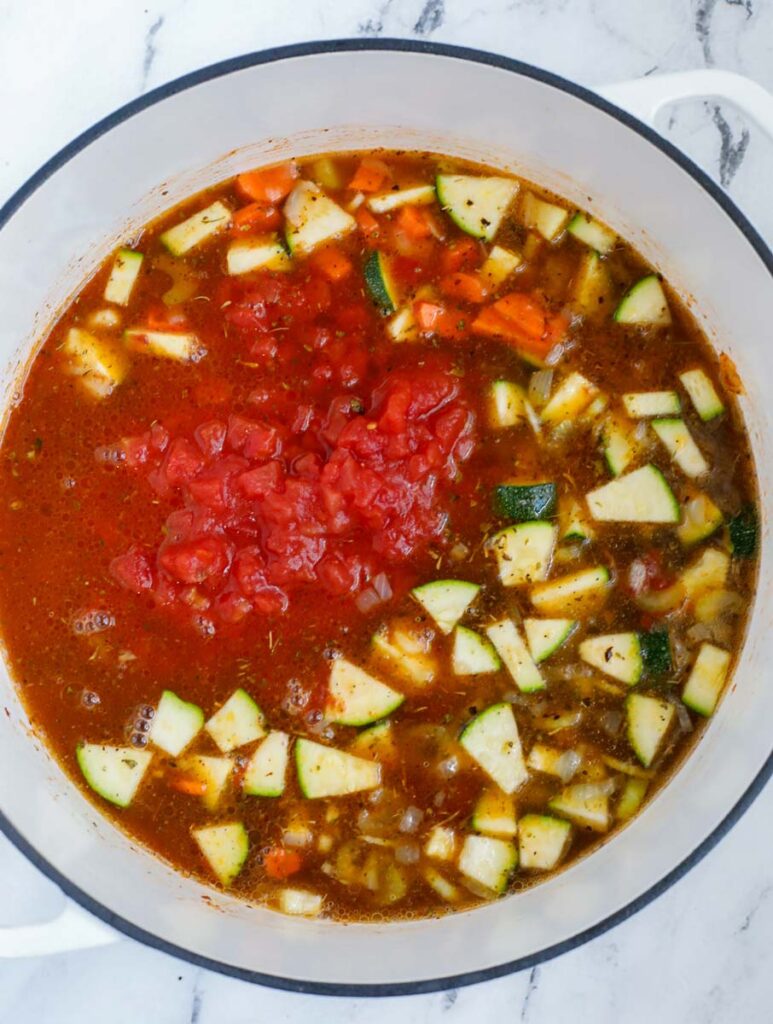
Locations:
645 97
72 929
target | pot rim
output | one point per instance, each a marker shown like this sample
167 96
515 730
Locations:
226 67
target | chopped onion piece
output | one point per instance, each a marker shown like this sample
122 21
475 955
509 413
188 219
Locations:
411 819
567 764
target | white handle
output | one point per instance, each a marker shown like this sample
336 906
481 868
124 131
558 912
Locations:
644 97
72 929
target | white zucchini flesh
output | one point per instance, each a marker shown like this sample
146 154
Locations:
123 276
506 403
542 841
615 654
238 722
631 798
648 721
703 394
491 739
115 773
708 572
573 395
645 404
446 601
408 658
498 266
494 814
214 772
546 218
700 518
515 654
488 861
300 902
416 195
583 803
257 254
681 446
312 218
619 452
375 742
473 654
706 680
642 496
179 346
476 205
225 848
645 304
441 885
545 636
357 698
326 771
267 768
594 234
591 289
548 760
197 229
524 552
101 365
402 326
441 843
176 723
575 595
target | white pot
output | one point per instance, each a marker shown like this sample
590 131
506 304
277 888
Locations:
301 100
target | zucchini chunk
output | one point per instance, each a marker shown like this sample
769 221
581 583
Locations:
402 326
225 848
179 346
702 394
573 596
325 771
123 276
642 496
649 719
99 364
214 773
257 254
238 722
542 841
487 861
631 798
498 266
446 601
681 447
524 552
380 283
708 572
515 654
700 519
591 291
267 768
115 773
175 724
357 698
491 739
441 843
594 234
526 502
707 678
627 656
645 404
494 814
476 205
573 395
619 452
583 803
406 655
506 402
645 304
416 195
375 742
546 218
312 218
545 636
197 229
472 654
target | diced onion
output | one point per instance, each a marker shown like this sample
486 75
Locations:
591 790
611 721
411 819
407 852
449 767
567 764
367 599
539 387
382 587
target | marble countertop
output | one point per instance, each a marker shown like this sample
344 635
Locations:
700 953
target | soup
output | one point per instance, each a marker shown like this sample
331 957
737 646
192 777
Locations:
379 532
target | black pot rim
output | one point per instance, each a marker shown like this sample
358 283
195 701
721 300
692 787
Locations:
744 226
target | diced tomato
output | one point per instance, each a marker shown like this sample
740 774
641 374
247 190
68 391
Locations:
368 225
256 217
415 221
463 254
280 862
268 186
196 561
372 175
444 321
182 462
258 482
524 321
647 573
187 784
332 262
465 286
210 437
256 440
132 570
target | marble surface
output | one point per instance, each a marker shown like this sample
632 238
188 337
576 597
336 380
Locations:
699 954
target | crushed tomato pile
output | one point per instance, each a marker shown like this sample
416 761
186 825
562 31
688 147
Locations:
311 490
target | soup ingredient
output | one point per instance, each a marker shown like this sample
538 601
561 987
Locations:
706 680
492 740
649 719
225 848
113 772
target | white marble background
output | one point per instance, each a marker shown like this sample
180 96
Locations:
700 953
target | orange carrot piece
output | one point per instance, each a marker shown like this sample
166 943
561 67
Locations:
187 784
256 217
435 318
524 321
464 254
371 176
268 186
333 263
280 862
464 286
368 224
415 222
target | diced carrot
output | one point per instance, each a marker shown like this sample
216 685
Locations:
415 222
524 321
464 286
333 263
256 217
368 224
435 318
280 862
187 784
269 186
163 318
464 254
370 176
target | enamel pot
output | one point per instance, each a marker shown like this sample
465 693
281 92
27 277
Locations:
354 95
